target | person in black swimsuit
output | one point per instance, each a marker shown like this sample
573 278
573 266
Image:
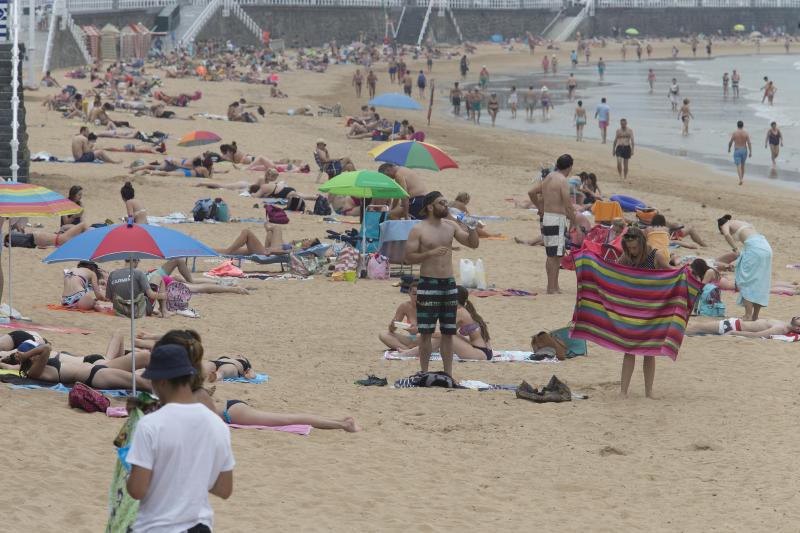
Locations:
636 253
774 141
227 367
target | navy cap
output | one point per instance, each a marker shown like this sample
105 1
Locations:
169 361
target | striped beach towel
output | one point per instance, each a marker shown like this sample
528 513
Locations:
643 312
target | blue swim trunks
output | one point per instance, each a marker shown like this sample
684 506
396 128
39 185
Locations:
740 156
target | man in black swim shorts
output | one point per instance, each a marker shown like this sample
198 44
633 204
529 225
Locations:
622 148
430 244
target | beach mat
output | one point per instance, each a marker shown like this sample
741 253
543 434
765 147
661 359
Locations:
32 326
508 356
56 307
260 378
18 382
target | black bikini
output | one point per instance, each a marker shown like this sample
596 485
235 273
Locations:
244 362
95 369
55 362
92 359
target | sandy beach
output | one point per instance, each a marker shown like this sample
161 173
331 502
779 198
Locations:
716 451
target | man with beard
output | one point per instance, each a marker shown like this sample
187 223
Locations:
430 243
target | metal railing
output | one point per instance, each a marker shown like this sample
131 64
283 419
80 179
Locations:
246 19
573 24
455 24
78 35
144 4
82 6
665 4
201 21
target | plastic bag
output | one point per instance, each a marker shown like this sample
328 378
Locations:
466 270
480 275
377 267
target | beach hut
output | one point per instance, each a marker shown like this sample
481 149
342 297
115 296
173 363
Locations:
134 42
109 43
92 40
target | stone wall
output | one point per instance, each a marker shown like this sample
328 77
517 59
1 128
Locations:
228 28
65 53
312 26
23 154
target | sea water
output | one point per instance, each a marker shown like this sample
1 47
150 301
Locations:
649 114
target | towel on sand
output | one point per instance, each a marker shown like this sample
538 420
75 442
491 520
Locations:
58 387
506 356
260 378
56 307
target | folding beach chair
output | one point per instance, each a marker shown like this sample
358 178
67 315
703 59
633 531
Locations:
320 250
392 244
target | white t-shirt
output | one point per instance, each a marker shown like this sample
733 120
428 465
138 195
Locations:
186 446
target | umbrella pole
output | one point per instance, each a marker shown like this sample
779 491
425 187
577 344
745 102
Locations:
133 331
10 293
362 262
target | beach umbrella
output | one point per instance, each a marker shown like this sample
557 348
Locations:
364 184
129 241
29 200
496 38
739 27
199 138
395 101
755 34
413 154
631 31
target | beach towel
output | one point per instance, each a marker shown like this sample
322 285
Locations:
41 327
260 378
297 429
754 271
497 292
56 307
506 356
59 387
606 211
791 337
643 312
226 269
122 509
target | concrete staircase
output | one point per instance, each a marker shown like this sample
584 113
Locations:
23 155
566 26
189 13
408 33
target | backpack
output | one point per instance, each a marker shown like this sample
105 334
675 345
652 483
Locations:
204 209
296 204
322 206
122 306
710 302
427 379
276 215
86 398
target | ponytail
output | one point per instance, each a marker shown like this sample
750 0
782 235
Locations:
478 320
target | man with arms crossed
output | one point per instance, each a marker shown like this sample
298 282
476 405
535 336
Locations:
551 198
430 243
623 148
179 453
742 149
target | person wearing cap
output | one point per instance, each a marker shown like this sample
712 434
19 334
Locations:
411 207
179 453
430 244
332 167
552 198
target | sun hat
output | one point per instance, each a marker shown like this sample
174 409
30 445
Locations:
167 362
321 141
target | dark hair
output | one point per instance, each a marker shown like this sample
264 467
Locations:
723 220
189 339
699 268
564 162
603 99
91 265
91 137
430 198
73 192
83 128
232 148
254 188
580 103
108 107
197 162
235 104
463 300
740 124
386 168
773 123
208 163
127 191
658 220
636 233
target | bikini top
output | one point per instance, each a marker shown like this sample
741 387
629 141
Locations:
744 226
70 274
468 329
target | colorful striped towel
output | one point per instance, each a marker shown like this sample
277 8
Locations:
643 312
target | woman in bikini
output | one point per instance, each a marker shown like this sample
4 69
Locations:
403 338
271 188
134 208
774 141
580 121
684 115
80 284
75 196
39 239
231 152
754 266
159 280
472 340
237 411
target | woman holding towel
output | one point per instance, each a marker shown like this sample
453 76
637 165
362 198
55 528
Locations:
754 266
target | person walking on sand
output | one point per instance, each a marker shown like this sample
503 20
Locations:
603 115
551 197
546 64
774 141
179 453
742 149
544 100
684 115
651 79
622 148
513 100
725 82
372 83
580 121
493 106
358 82
422 82
455 99
430 244
572 84
735 79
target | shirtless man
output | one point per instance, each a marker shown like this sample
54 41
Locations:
408 83
769 90
764 327
623 148
407 208
530 102
572 84
430 244
372 83
735 78
551 197
742 148
328 164
358 82
83 149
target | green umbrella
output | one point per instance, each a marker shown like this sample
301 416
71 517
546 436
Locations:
364 184
631 31
739 27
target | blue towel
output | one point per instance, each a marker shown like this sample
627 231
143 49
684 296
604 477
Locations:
754 271
260 378
58 387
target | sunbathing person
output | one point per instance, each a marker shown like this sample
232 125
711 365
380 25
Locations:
80 284
236 114
159 280
763 327
459 207
237 411
199 168
40 239
707 274
472 340
181 100
160 111
248 244
75 195
402 338
83 148
228 367
231 152
271 188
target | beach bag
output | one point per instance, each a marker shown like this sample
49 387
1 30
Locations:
546 342
347 260
304 265
296 204
378 267
221 214
122 306
710 302
86 398
276 215
178 296
322 206
204 209
575 347
434 379
480 275
466 270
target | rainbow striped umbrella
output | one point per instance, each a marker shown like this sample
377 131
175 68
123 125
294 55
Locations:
413 154
29 200
199 138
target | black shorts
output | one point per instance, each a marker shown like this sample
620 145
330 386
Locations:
22 240
415 209
624 152
437 301
19 336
